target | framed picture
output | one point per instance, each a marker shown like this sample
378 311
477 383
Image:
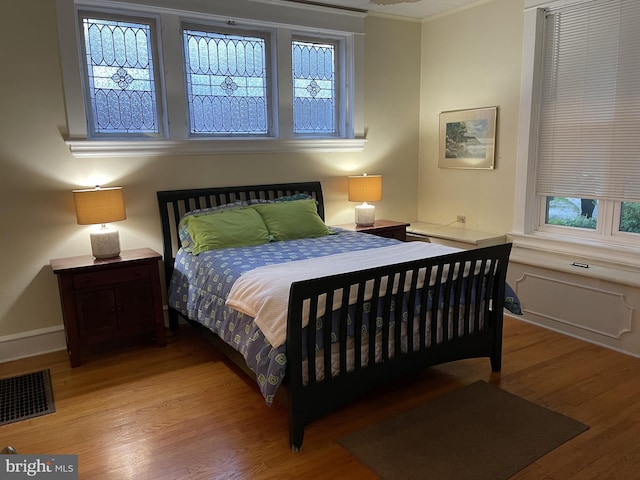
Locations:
467 138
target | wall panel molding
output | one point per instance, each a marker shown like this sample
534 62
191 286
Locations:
602 311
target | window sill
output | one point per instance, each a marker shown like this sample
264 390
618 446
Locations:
140 148
616 263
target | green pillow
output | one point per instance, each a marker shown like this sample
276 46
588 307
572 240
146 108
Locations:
240 227
292 220
183 231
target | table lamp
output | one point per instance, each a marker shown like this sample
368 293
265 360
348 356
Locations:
365 188
99 206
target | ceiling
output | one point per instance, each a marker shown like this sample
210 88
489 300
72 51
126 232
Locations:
419 9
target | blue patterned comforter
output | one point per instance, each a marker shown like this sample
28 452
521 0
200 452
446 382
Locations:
201 283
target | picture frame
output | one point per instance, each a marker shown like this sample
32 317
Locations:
467 138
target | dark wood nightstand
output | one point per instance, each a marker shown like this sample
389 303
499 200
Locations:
107 301
382 228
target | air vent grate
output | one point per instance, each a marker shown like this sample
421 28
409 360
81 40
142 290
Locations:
26 396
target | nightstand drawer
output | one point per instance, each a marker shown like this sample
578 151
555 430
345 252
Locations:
110 277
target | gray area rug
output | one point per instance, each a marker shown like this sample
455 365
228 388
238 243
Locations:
475 433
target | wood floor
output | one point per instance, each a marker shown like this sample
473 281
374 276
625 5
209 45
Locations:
182 412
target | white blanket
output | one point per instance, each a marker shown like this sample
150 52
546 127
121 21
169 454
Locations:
263 293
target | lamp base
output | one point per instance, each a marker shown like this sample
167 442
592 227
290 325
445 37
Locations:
365 215
105 243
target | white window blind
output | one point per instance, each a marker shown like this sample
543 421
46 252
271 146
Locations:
589 139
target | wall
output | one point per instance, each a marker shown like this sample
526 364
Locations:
471 59
38 172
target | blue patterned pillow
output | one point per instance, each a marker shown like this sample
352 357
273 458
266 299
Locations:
186 242
285 198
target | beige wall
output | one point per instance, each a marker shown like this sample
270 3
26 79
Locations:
471 59
38 172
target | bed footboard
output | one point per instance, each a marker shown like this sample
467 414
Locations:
371 326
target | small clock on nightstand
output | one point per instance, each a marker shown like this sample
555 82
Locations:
382 228
105 301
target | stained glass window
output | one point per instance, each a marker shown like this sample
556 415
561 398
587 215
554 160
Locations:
204 84
121 86
314 88
226 83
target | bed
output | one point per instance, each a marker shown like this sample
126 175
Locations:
319 317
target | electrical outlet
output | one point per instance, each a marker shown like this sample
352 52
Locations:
462 219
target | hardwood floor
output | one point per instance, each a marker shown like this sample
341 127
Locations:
183 412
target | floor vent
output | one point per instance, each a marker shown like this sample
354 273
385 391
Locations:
26 396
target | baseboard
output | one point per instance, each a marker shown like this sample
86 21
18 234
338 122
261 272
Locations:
38 342
34 342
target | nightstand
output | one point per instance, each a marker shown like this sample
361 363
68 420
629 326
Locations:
108 301
382 228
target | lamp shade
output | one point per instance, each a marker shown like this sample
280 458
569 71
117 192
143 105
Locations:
99 205
365 188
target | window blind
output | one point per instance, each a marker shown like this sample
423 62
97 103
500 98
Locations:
589 138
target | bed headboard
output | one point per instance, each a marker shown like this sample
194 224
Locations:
174 203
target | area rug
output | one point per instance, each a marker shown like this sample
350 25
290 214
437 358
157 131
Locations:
26 396
475 433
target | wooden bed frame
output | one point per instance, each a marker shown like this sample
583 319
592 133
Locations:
472 332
